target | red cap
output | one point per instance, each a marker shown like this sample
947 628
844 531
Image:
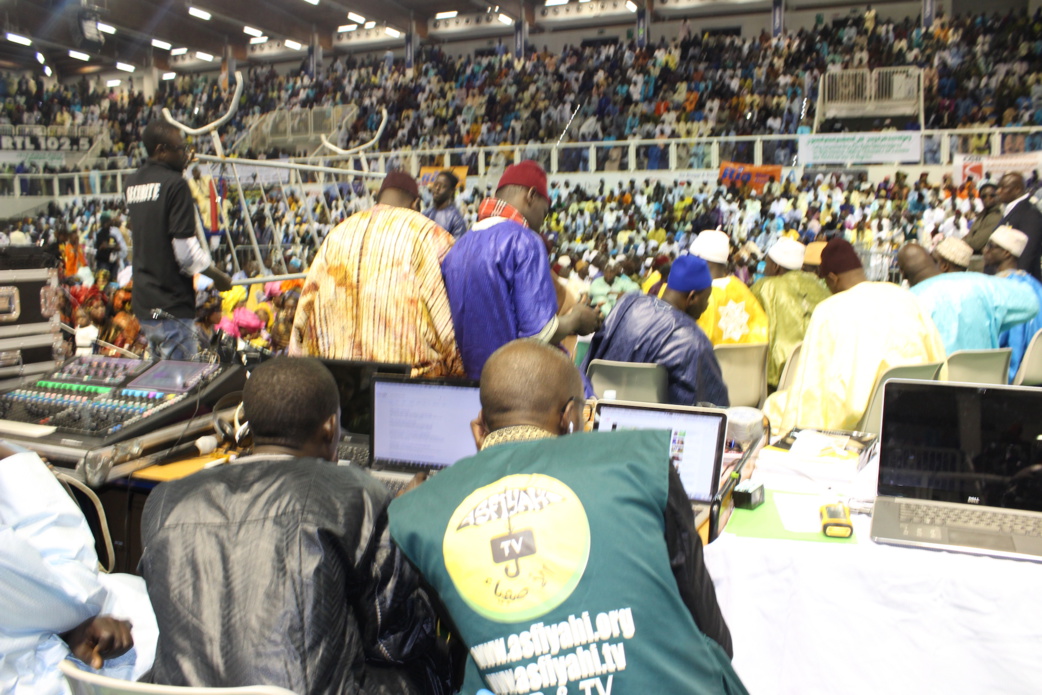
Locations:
528 174
401 181
838 257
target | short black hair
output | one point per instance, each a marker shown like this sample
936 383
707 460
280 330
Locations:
158 132
287 399
453 179
989 184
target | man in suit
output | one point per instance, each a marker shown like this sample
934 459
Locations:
1020 213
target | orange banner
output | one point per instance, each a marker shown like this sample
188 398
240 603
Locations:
428 174
756 176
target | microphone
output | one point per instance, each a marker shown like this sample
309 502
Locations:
200 447
201 345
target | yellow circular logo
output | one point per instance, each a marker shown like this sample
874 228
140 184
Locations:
516 549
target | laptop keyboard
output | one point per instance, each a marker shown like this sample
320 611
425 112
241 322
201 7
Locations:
977 519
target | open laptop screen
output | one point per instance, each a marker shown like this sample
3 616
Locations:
353 381
971 444
422 423
696 446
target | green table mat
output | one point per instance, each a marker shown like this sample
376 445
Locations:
765 522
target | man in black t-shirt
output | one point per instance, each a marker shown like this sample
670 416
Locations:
167 252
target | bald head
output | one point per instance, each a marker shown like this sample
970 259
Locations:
1011 187
526 382
916 264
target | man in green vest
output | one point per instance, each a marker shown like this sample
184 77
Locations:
568 564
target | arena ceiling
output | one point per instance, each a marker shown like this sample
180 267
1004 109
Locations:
131 25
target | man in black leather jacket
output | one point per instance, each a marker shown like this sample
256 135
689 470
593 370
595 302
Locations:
278 568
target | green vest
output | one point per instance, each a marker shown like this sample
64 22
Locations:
550 557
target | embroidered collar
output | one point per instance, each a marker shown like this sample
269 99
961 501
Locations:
494 207
517 433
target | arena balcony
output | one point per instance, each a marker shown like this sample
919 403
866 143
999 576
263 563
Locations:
699 159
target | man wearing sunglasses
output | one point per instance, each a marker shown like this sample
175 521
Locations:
987 219
167 252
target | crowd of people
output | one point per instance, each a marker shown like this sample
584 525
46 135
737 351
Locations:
603 237
449 283
979 71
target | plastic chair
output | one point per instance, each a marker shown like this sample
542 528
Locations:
745 372
788 372
581 348
86 683
631 381
1029 373
980 366
871 421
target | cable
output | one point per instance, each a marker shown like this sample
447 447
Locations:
199 348
101 343
188 422
103 522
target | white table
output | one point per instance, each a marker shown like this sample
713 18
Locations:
809 618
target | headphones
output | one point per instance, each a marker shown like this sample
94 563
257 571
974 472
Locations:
237 431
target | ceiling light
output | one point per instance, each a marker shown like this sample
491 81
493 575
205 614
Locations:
113 83
40 59
356 18
201 14
290 43
169 75
446 15
203 56
79 56
125 67
554 3
252 32
311 2
47 70
346 27
106 28
17 38
505 19
179 51
631 6
370 25
392 32
259 39
161 44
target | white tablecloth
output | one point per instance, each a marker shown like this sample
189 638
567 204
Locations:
809 618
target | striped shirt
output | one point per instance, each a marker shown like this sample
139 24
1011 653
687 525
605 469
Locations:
375 293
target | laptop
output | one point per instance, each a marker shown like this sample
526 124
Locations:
960 468
420 425
354 380
696 446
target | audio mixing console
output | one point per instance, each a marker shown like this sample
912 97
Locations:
94 401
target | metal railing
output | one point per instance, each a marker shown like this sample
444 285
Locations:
678 154
847 87
865 92
896 84
294 126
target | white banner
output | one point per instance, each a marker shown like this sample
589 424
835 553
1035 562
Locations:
977 165
44 143
54 159
861 148
248 174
